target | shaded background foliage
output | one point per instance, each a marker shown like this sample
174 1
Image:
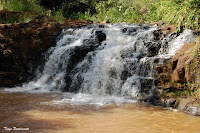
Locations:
71 6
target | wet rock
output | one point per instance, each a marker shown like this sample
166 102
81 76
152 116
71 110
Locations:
179 69
101 26
105 21
193 108
165 31
188 105
131 31
146 27
100 36
124 30
169 102
159 69
153 50
146 85
159 23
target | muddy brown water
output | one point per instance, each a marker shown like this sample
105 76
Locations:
37 113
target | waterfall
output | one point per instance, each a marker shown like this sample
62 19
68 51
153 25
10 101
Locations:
106 61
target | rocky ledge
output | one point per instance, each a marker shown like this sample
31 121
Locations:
22 44
179 80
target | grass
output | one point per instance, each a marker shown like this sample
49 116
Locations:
27 10
196 68
184 12
57 15
119 11
180 12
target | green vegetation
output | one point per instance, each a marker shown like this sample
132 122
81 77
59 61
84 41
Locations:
26 10
196 69
73 7
181 93
22 6
180 12
118 11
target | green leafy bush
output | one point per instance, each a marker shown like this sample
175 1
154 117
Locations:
70 7
122 10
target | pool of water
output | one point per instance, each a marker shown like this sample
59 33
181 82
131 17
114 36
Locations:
40 113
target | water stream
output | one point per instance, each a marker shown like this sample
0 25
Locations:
106 62
47 113
91 82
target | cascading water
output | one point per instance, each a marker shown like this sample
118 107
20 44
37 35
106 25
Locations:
106 61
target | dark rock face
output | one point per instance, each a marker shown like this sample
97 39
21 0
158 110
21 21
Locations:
153 49
78 54
129 31
22 44
100 36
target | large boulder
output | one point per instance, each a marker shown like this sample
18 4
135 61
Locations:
181 69
179 78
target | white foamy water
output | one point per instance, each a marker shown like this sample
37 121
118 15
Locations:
96 65
82 99
174 45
